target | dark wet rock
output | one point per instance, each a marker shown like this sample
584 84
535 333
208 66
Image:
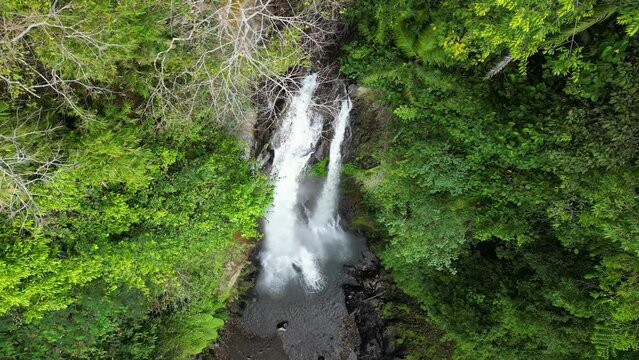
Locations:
350 280
365 302
353 90
296 268
368 265
370 327
264 159
324 146
236 307
282 326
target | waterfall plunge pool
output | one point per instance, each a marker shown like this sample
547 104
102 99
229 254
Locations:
297 310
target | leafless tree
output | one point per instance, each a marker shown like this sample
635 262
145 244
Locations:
20 34
238 44
22 164
23 160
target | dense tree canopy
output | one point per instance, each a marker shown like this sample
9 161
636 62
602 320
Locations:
507 179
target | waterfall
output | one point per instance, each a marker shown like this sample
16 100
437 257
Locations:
295 246
283 254
326 208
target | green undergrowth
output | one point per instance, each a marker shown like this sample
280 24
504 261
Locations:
415 334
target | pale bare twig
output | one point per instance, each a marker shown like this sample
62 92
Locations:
16 44
239 44
22 165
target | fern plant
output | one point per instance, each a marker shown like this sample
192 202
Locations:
193 333
428 49
604 339
405 39
417 36
629 17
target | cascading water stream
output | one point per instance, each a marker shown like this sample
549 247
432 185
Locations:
294 247
298 310
326 208
297 136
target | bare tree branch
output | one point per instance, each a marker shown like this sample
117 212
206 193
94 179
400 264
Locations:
22 165
239 44
17 44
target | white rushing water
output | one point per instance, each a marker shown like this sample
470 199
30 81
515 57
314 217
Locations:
294 247
326 208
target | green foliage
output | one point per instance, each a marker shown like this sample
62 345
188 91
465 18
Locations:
510 203
189 335
117 237
161 247
414 332
468 34
320 168
629 17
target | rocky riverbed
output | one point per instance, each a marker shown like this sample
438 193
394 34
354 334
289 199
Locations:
342 322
